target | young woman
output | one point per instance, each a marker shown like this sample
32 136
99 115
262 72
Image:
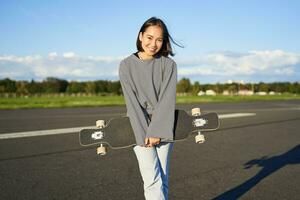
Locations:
148 78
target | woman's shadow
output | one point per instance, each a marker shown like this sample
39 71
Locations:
269 165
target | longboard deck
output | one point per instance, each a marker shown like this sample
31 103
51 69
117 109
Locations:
119 133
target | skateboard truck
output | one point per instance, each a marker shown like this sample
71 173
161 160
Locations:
100 123
101 150
198 123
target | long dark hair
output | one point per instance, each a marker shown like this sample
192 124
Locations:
166 48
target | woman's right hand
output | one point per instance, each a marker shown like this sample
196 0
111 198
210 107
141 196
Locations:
150 142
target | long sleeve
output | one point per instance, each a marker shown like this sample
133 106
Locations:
162 122
134 109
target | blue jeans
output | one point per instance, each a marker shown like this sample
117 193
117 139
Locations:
154 168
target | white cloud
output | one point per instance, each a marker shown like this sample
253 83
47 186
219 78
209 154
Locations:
69 66
105 58
16 59
69 55
52 55
195 70
233 64
285 71
217 66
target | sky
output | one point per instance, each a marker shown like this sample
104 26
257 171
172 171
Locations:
237 40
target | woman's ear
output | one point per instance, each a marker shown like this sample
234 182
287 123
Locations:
140 36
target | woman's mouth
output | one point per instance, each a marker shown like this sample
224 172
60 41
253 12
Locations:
152 50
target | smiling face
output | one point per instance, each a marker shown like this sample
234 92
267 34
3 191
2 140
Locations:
151 41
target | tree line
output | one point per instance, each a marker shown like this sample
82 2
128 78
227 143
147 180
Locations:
185 86
53 85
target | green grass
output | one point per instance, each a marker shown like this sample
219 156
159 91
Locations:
59 102
88 101
235 98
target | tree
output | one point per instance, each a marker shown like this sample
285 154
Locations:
263 87
76 87
184 85
22 87
54 85
35 87
101 86
91 87
8 86
114 87
232 88
196 88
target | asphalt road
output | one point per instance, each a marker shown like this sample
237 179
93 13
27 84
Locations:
254 157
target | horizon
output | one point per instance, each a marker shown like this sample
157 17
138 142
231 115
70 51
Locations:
242 82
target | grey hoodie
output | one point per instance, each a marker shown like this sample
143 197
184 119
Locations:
149 88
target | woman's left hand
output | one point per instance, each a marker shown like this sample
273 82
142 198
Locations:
150 142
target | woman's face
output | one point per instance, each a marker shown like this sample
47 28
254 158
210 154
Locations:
151 40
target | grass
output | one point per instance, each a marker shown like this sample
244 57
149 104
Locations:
89 101
59 102
235 98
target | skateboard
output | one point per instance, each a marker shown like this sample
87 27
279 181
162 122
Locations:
117 133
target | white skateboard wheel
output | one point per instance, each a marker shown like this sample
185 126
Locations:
101 150
196 112
100 123
199 139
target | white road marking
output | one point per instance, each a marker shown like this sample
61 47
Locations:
42 132
235 115
77 129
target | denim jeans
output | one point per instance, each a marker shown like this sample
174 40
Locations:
154 168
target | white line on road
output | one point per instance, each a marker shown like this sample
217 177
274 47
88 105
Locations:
42 132
77 129
235 115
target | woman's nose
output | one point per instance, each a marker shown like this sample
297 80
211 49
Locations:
153 43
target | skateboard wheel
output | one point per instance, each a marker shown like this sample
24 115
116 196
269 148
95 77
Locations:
199 139
196 112
101 150
100 123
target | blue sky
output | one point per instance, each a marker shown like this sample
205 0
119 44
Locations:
85 40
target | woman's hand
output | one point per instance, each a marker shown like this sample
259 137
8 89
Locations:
150 142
